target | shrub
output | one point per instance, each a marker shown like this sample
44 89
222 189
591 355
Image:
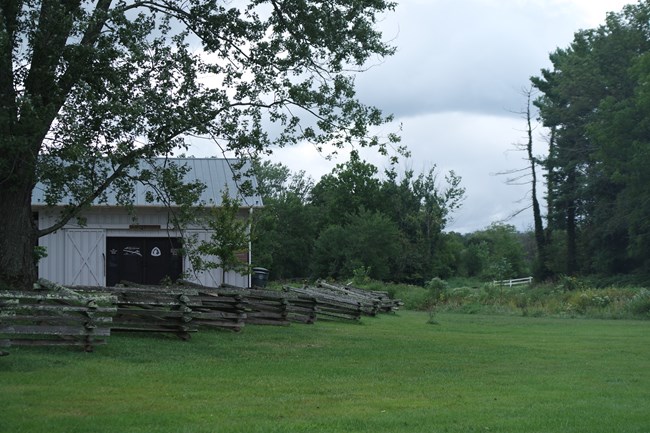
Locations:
639 305
583 300
460 296
415 298
491 294
570 284
437 284
361 275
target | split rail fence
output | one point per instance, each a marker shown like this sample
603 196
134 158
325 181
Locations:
55 316
86 316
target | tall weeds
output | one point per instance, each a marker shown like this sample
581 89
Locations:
568 297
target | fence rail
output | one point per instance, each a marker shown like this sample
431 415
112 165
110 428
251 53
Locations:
53 317
86 316
514 282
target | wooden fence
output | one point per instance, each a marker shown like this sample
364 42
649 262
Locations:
372 301
271 307
84 315
151 309
55 316
336 302
219 311
515 282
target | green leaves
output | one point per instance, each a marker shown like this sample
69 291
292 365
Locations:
229 236
124 80
352 219
595 98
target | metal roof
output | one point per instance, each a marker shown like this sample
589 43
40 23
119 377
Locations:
217 174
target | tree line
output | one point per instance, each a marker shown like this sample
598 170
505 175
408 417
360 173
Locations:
88 90
595 101
356 221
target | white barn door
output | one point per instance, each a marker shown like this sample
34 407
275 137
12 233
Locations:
85 257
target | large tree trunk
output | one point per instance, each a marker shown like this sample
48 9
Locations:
18 235
550 196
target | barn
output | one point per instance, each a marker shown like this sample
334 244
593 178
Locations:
111 243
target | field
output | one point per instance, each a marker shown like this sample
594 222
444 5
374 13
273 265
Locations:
467 373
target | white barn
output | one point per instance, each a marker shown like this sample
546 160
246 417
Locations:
114 244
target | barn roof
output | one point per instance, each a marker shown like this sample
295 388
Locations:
217 174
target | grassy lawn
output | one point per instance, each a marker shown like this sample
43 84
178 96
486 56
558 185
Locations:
390 374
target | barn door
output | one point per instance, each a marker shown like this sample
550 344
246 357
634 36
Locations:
162 260
124 260
84 257
142 260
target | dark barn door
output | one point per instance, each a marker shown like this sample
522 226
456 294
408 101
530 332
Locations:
142 260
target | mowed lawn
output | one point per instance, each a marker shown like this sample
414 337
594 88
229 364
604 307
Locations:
394 373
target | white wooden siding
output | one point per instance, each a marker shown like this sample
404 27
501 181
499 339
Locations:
52 267
76 254
85 260
213 277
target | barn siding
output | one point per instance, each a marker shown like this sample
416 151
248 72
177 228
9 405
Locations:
65 262
52 267
213 277
85 259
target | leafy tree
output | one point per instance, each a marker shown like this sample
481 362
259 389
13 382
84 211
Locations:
286 228
418 206
436 206
447 259
565 107
495 253
422 207
593 99
349 189
229 235
370 241
474 258
352 222
619 228
95 87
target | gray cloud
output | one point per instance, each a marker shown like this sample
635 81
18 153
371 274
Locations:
455 86
472 56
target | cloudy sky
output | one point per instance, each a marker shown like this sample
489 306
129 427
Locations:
455 87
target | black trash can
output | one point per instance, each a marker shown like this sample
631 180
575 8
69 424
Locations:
260 277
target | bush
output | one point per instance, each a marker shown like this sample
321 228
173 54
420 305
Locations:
436 288
437 284
570 284
361 275
414 298
582 301
639 305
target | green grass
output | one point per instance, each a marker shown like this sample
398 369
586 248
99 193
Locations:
468 373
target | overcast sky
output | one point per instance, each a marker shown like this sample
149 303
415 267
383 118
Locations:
455 87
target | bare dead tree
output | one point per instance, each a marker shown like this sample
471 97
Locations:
528 175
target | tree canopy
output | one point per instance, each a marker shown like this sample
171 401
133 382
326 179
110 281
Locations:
595 99
354 220
90 88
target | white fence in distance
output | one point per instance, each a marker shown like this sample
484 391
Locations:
514 282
